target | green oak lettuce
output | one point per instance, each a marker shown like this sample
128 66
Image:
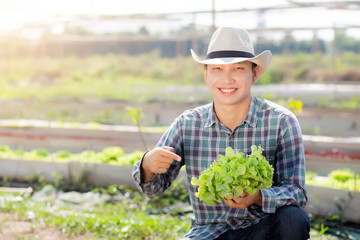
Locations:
234 174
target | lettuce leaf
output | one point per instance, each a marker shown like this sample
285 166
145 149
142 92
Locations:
232 175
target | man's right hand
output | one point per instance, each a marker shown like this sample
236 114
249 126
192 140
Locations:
157 160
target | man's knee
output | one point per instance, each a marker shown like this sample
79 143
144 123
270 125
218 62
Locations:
292 221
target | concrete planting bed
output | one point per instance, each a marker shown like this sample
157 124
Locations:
72 172
128 137
329 202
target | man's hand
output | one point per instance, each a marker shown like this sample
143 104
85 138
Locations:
157 160
244 201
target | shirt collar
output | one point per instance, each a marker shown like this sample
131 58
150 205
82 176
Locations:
250 117
211 116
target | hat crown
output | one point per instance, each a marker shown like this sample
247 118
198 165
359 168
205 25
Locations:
230 39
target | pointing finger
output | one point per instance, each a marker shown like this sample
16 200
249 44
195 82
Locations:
168 152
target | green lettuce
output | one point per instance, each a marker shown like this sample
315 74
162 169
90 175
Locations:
232 175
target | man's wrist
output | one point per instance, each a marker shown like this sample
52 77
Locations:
146 175
259 198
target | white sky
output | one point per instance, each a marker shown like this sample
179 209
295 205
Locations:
15 13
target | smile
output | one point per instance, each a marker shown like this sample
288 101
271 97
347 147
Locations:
227 90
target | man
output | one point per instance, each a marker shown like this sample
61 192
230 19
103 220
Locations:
237 119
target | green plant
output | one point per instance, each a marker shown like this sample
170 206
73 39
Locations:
339 179
295 105
124 217
233 175
322 230
58 179
317 130
175 193
5 181
136 115
111 155
342 175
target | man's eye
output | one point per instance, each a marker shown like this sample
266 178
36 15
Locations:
216 68
239 68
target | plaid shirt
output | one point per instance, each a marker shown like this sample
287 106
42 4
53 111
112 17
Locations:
199 137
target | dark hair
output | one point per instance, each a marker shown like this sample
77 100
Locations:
253 66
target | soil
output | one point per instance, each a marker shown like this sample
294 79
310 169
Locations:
12 229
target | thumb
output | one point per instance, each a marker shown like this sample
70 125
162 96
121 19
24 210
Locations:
244 194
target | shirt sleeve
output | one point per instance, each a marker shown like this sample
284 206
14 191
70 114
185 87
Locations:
289 175
160 182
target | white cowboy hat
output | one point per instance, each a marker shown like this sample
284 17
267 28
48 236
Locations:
232 45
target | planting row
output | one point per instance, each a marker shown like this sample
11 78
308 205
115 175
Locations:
323 201
333 153
340 179
319 162
336 196
130 138
19 164
88 167
81 169
109 155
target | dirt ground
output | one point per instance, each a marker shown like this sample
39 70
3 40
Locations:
12 229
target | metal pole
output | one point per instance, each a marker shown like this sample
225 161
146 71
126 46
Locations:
334 55
213 28
195 48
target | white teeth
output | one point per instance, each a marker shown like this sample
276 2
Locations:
227 90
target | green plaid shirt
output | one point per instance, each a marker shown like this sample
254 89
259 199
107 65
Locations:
199 137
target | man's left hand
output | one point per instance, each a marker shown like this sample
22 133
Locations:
245 200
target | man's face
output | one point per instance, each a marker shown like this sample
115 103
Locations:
230 83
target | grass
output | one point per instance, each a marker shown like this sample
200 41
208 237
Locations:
128 215
118 220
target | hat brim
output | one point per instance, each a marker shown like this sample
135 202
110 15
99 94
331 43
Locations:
262 60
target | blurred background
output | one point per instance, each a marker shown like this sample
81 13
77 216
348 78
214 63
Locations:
98 82
74 61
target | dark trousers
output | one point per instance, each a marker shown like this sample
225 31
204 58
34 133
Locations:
287 223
